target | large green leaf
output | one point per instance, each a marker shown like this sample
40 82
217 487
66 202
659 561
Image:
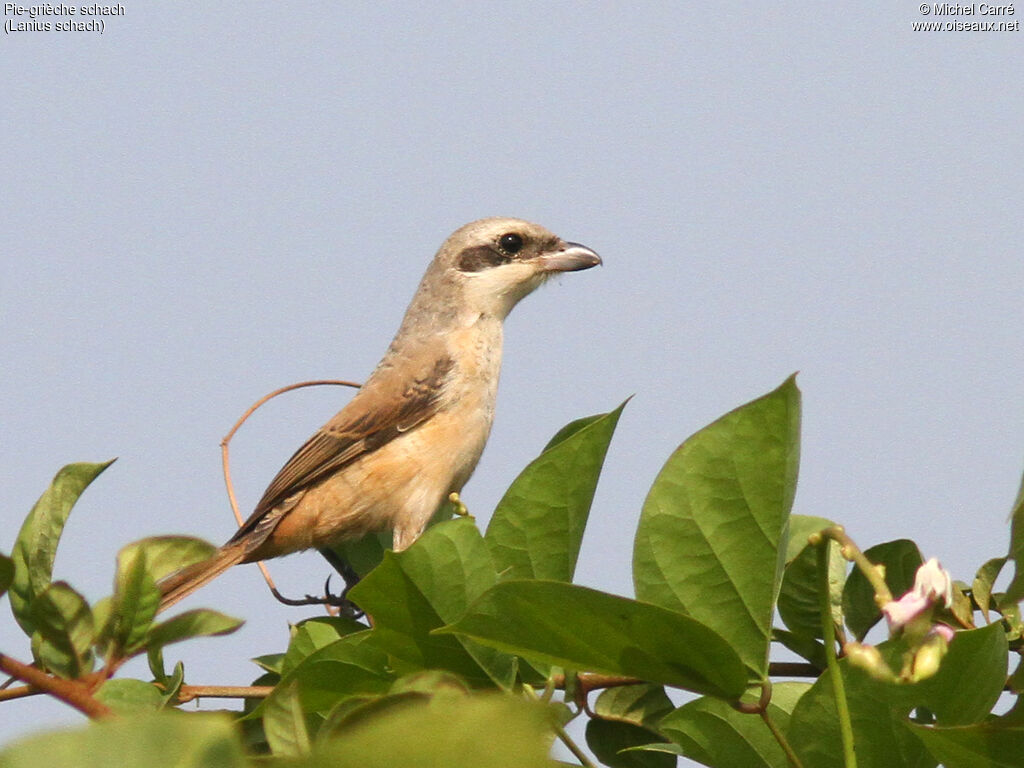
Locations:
36 546
483 731
983 745
580 628
711 541
710 731
65 631
537 527
151 740
414 592
963 691
901 559
1015 591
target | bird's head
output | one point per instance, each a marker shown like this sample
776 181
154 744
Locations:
498 261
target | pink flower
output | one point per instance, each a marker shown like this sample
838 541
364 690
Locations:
932 584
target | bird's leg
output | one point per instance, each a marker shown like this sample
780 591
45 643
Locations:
345 606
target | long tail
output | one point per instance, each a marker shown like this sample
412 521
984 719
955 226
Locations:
183 583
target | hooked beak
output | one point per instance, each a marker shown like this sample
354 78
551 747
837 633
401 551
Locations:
571 257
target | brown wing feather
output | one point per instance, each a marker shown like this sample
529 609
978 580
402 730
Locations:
362 427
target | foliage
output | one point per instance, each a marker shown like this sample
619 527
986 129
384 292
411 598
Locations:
481 648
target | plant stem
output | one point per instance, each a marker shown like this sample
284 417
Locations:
851 552
18 692
563 735
829 635
190 692
780 737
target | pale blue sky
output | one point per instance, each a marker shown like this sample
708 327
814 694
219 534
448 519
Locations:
210 201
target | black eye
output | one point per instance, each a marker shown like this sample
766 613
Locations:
511 242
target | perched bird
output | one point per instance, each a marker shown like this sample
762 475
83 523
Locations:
413 433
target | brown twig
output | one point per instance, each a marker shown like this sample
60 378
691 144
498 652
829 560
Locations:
73 693
190 692
226 461
19 692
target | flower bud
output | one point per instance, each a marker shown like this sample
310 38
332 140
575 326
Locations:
868 658
928 657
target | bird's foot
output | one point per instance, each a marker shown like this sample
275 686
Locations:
340 603
458 507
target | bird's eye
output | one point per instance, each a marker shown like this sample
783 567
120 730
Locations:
511 242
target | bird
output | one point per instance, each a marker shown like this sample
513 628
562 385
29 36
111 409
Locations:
413 433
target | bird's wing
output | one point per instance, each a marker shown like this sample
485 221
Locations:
386 406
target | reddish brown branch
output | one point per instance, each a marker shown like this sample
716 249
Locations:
71 692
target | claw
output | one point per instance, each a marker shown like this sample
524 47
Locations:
345 606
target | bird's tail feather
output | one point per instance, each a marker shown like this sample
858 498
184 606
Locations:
183 583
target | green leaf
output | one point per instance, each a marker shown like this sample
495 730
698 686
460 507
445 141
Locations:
64 625
284 723
800 529
269 662
537 527
613 742
349 667
135 602
311 635
626 717
710 731
801 645
36 546
414 592
103 621
711 540
799 601
579 628
166 554
1011 616
483 731
362 709
984 745
172 686
638 704
364 554
983 581
430 682
901 559
6 573
127 696
963 691
200 622
968 683
1015 592
150 740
